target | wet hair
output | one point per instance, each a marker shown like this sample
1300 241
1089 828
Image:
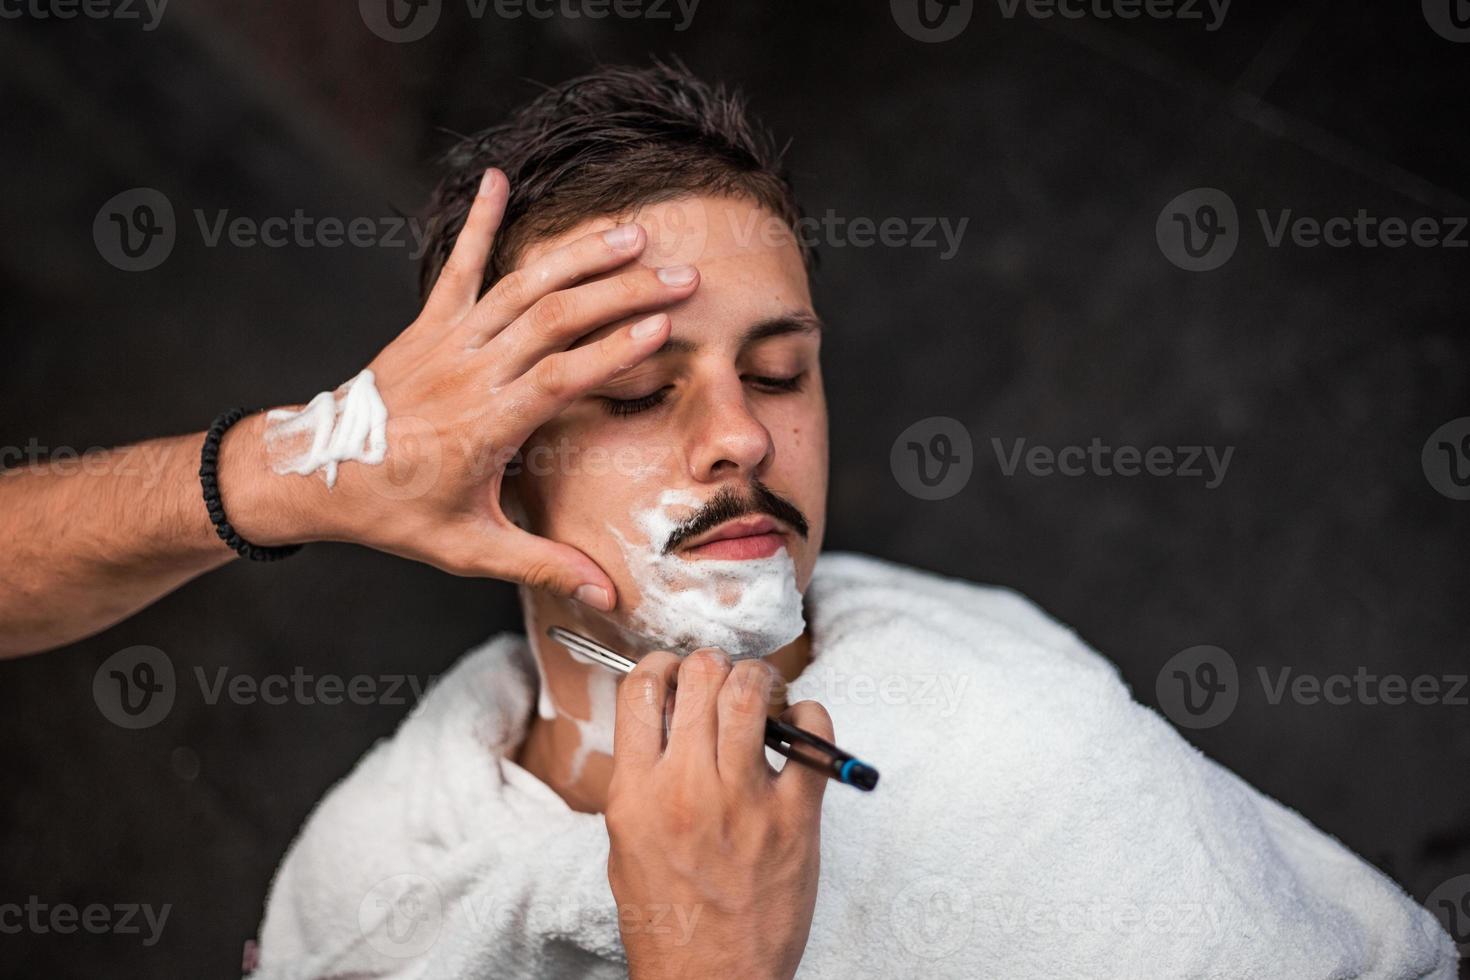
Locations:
607 143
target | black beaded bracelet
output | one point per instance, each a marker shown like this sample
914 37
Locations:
209 480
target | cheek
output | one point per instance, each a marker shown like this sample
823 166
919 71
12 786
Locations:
572 505
804 428
577 491
547 485
801 469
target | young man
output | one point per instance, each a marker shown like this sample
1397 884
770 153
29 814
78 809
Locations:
618 295
1032 820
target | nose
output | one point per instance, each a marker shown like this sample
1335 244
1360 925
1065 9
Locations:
726 439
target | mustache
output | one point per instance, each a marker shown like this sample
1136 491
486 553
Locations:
727 504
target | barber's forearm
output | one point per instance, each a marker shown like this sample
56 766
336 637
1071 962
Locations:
83 548
91 541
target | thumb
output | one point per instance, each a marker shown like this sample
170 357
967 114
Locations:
560 569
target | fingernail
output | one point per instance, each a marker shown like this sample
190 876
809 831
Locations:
593 595
644 329
715 652
487 182
623 236
676 275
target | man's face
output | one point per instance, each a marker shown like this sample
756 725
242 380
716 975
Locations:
728 420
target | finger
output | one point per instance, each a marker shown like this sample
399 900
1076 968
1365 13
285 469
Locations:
799 785
741 750
519 290
518 556
561 379
458 286
695 724
558 320
638 730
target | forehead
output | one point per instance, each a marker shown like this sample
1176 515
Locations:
749 263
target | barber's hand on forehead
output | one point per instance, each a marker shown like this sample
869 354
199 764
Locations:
712 854
473 377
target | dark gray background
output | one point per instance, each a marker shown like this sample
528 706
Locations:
1326 549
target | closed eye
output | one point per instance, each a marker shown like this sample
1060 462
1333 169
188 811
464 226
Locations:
792 383
632 406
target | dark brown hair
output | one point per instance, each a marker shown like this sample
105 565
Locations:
605 144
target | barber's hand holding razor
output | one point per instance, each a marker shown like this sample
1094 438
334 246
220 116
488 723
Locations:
713 855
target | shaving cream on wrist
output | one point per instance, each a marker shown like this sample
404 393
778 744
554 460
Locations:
348 425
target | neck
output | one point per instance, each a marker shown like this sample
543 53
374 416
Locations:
568 745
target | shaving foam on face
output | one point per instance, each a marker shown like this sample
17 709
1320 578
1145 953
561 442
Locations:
748 608
350 424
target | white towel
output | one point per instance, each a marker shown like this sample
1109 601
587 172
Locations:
1032 821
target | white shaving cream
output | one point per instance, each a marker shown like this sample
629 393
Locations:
602 711
350 424
746 607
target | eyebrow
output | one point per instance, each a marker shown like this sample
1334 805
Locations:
796 321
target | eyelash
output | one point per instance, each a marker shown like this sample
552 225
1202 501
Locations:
632 406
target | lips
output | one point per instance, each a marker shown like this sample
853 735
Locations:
753 536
